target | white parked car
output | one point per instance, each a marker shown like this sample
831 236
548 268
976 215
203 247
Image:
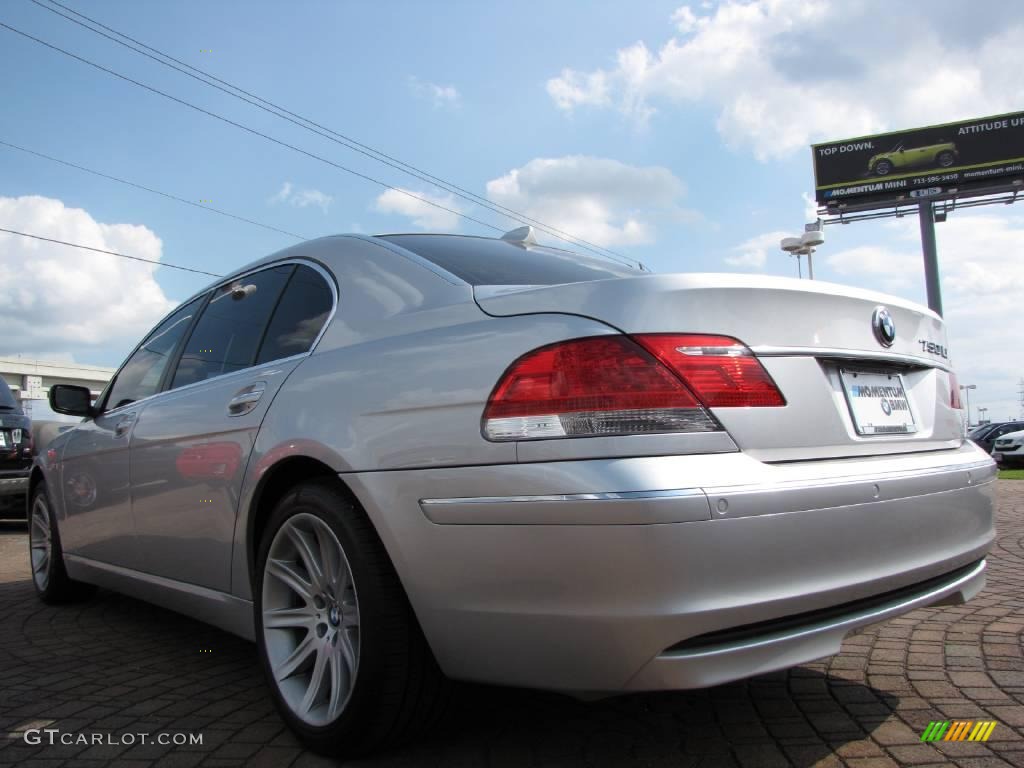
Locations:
1008 449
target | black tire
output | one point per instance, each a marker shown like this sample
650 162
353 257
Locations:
51 582
945 159
883 167
398 691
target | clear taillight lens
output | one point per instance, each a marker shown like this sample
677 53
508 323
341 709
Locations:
620 385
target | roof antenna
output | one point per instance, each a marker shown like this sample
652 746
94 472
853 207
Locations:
521 235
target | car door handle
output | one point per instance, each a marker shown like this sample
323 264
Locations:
124 424
246 399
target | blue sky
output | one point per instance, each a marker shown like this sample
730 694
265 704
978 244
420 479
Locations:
674 134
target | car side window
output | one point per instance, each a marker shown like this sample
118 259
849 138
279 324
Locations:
299 317
141 376
228 333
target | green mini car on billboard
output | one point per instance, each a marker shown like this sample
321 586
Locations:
943 154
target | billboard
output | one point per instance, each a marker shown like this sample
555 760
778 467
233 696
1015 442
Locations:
899 166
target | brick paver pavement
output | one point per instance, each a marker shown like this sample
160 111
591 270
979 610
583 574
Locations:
114 665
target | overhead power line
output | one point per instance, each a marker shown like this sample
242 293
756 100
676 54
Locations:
112 253
208 208
328 133
246 128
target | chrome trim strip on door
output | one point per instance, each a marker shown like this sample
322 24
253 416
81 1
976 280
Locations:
220 609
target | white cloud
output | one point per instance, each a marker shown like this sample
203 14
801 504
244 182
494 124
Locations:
783 73
438 95
754 252
61 302
685 19
598 199
983 291
573 89
301 198
423 211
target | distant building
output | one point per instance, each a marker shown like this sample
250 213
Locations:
30 381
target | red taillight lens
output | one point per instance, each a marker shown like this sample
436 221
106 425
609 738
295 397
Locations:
954 392
604 385
719 370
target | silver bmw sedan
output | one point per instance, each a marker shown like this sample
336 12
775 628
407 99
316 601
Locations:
398 460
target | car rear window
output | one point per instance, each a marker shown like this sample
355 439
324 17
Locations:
7 401
486 261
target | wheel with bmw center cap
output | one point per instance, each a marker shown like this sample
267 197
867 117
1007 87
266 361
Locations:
347 664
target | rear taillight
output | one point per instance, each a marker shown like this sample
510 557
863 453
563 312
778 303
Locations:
954 392
719 370
605 385
620 385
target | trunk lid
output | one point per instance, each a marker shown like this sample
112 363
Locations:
812 337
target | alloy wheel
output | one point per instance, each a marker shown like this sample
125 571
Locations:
310 619
40 543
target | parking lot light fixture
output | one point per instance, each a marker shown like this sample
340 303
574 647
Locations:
805 245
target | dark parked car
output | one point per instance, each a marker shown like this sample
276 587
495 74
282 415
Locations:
986 440
15 454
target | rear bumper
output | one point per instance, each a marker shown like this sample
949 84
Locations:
591 576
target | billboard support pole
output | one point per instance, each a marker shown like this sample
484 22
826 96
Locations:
926 215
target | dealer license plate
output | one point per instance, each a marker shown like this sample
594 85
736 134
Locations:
878 403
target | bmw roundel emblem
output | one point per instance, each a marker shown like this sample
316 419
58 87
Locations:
883 326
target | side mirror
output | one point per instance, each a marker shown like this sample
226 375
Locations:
71 399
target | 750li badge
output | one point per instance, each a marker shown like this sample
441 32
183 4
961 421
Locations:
933 349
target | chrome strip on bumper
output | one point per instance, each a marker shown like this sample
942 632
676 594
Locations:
681 505
732 501
688 505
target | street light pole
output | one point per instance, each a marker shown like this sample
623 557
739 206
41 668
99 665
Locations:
967 389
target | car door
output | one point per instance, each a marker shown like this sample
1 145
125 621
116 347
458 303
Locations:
192 442
95 466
